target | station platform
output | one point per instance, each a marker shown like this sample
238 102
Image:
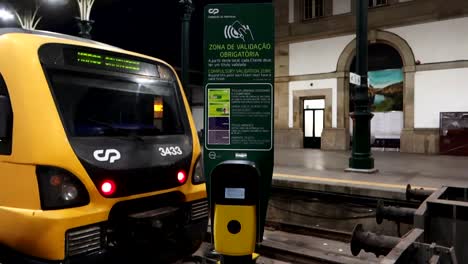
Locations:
318 170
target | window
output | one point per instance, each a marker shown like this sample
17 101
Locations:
95 105
6 119
313 9
375 3
314 104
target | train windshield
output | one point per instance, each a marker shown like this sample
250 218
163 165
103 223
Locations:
96 105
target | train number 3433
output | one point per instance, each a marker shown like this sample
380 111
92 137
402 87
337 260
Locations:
171 151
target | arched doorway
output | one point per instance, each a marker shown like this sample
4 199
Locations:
385 76
407 59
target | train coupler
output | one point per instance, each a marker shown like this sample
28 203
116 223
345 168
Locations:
371 242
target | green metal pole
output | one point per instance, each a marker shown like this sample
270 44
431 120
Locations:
185 47
361 157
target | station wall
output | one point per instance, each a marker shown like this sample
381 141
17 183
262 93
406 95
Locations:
317 56
439 91
317 84
432 43
197 113
291 11
341 7
321 56
439 41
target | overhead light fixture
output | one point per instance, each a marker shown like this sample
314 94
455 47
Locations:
6 15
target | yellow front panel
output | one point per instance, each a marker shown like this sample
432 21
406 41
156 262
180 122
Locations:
19 186
242 243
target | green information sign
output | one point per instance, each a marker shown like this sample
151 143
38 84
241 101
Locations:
241 120
239 92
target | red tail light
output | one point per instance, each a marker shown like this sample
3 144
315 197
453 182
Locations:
108 187
181 177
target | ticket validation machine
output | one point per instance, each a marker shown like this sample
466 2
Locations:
238 124
235 199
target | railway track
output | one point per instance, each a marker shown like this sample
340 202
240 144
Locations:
331 234
340 232
285 241
332 196
290 256
273 251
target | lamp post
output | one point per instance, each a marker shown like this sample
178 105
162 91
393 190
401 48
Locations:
361 156
84 23
187 9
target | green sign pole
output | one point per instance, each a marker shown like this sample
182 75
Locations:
239 91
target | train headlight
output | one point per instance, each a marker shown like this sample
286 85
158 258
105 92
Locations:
60 189
69 192
198 176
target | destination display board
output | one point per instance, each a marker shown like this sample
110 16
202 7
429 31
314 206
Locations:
239 93
108 61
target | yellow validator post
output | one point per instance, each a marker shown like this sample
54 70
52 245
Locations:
235 202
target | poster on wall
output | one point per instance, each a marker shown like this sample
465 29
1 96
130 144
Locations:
386 95
386 90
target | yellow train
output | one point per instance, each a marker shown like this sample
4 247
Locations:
98 152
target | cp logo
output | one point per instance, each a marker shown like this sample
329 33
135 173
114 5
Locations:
110 155
213 11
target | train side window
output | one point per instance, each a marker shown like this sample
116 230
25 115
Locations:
6 119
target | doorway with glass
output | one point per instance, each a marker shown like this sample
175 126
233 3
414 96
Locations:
314 112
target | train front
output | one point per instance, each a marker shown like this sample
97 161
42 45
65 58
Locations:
127 122
123 171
